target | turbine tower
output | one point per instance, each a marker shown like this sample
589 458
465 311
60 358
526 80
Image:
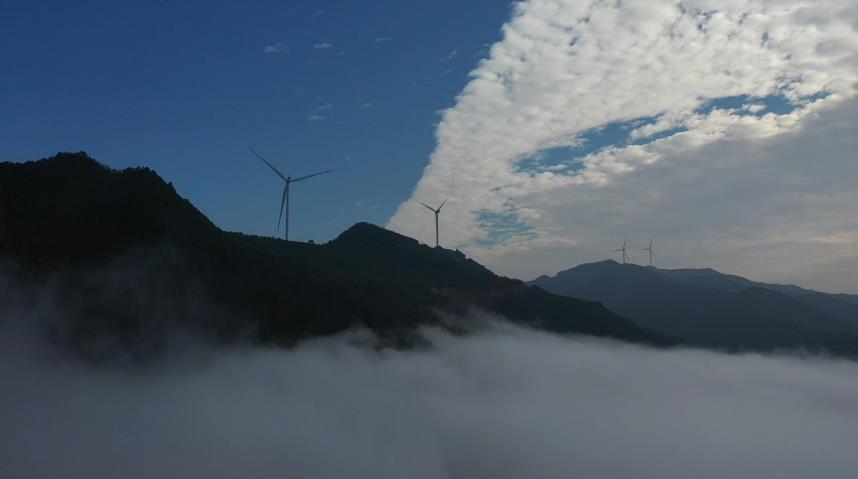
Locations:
651 254
284 202
437 212
623 250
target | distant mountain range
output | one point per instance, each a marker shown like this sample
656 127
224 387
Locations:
128 262
707 308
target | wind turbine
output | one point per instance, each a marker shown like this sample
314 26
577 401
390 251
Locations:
623 250
285 201
437 212
651 254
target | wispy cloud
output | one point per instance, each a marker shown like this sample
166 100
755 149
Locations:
384 39
279 47
450 56
317 114
323 46
367 105
483 50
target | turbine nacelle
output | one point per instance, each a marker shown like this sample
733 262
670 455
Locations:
435 210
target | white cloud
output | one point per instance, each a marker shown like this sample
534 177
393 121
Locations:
450 56
384 39
323 46
505 403
566 67
318 113
279 47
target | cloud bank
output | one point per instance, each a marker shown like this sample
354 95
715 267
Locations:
713 125
505 403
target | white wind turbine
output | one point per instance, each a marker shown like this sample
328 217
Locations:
437 212
623 250
285 201
651 254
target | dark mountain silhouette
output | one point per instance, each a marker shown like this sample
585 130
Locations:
704 307
843 306
129 262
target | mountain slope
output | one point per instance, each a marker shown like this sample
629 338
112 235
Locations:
843 306
128 261
70 208
707 308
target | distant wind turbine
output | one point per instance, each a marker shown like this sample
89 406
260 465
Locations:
651 254
623 250
285 201
437 212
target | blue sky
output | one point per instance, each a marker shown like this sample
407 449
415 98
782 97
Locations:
185 87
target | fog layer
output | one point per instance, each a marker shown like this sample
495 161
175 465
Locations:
503 403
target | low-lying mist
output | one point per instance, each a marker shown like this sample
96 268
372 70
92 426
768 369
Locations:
500 403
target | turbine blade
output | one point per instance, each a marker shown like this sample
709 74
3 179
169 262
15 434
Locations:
279 173
424 204
302 178
282 202
442 204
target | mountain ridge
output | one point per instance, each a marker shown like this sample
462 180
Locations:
91 230
708 308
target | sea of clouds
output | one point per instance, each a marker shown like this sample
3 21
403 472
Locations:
503 402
